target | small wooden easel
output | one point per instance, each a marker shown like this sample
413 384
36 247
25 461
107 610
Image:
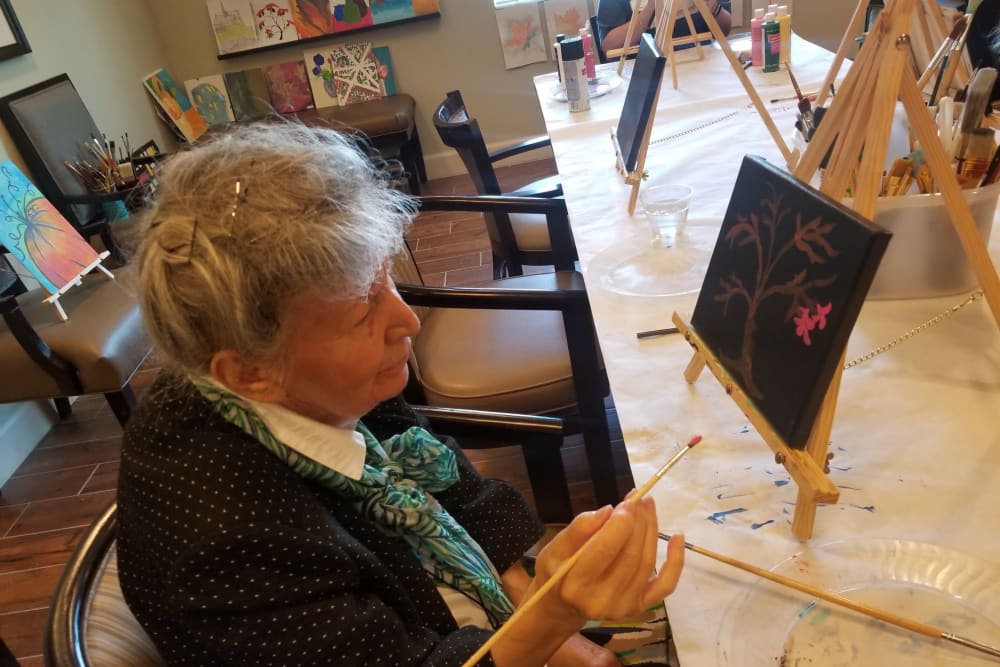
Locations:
665 21
634 178
53 299
859 117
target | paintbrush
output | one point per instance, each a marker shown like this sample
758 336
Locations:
977 100
943 50
955 55
571 561
833 598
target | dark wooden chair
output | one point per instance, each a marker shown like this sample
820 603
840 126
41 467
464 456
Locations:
524 344
97 351
602 57
516 239
48 123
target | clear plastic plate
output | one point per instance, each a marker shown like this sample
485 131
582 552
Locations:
602 85
772 626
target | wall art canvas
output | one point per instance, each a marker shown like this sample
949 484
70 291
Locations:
784 287
233 25
385 74
208 95
387 11
521 36
37 235
175 103
565 17
289 86
356 73
273 22
319 69
248 93
312 18
351 15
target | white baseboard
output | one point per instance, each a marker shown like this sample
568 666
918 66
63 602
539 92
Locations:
447 163
22 427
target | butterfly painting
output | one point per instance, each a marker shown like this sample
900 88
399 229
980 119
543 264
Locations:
521 35
38 236
565 17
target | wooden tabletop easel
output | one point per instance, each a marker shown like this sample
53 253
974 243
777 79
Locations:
860 116
663 31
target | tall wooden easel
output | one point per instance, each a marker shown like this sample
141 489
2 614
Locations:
859 118
634 178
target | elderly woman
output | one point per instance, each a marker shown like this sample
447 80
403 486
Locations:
279 504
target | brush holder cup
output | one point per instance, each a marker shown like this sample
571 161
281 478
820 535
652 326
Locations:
925 257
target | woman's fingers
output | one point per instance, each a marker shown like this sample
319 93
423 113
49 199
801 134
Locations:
670 573
571 539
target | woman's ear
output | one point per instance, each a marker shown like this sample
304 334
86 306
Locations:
250 380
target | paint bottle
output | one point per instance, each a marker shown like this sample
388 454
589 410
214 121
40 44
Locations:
588 54
785 30
575 74
756 38
771 43
559 62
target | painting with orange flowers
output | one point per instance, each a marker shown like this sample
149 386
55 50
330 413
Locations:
37 235
521 37
566 17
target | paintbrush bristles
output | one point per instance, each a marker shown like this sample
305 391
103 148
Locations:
658 475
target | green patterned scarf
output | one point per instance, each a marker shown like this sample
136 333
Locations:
394 492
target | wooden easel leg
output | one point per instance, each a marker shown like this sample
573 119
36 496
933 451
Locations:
664 37
640 165
691 31
632 24
694 367
817 447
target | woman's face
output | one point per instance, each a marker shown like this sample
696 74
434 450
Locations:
345 357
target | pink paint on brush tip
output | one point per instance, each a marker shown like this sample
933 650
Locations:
694 441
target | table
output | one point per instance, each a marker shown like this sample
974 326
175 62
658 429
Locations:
914 440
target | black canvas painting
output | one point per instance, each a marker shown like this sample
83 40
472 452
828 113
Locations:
646 76
786 281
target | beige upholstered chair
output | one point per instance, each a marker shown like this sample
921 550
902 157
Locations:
96 351
524 344
516 238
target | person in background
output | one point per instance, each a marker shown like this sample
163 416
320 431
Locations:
613 17
278 502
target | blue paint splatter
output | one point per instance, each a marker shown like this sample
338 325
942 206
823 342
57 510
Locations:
732 495
867 508
844 486
784 510
756 526
808 608
781 482
720 517
841 449
845 469
748 468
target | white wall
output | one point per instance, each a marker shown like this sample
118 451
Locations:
105 46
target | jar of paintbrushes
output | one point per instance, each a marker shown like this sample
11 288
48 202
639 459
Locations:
98 169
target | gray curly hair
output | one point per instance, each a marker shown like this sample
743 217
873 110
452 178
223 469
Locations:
250 219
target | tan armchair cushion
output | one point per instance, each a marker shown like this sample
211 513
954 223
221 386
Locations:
505 360
103 338
530 231
114 637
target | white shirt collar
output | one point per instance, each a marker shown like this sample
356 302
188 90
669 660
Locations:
339 449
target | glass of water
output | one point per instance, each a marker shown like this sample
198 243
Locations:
666 208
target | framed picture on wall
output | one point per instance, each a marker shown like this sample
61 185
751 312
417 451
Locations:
12 40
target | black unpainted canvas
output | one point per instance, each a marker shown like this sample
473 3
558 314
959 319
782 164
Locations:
646 76
786 281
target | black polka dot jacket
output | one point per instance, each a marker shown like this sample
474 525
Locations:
227 557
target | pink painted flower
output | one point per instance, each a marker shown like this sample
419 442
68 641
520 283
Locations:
804 323
821 313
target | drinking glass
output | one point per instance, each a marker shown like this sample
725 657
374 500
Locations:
666 208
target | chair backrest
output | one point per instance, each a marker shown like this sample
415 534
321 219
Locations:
462 133
598 47
48 123
89 622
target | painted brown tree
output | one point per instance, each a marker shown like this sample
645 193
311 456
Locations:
759 232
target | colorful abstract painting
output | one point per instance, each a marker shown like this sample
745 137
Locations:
175 103
350 15
248 93
521 36
38 236
273 22
289 86
789 273
312 18
233 24
209 97
356 73
319 69
387 11
385 74
565 17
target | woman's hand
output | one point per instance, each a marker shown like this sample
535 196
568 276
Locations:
614 577
578 651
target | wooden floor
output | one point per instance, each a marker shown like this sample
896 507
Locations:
72 474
